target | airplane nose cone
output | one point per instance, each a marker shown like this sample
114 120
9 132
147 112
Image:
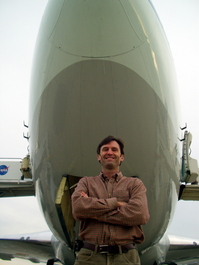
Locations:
100 30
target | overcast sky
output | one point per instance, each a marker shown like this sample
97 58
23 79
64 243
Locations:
19 23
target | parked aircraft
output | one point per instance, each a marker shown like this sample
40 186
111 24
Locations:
101 68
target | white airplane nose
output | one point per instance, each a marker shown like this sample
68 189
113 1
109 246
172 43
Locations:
103 67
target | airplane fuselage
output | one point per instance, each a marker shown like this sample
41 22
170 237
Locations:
104 68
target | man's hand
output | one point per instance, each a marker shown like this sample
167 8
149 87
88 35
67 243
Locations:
120 204
83 194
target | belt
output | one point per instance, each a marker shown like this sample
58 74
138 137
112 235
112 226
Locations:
115 249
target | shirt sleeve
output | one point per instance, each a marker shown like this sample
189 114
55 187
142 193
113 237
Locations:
83 208
135 212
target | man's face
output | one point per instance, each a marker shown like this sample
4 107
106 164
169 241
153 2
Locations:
110 155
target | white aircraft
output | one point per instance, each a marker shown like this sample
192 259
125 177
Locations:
102 68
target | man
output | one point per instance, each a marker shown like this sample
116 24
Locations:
111 209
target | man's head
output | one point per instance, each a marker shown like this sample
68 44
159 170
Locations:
110 153
107 140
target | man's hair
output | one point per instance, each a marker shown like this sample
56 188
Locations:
109 139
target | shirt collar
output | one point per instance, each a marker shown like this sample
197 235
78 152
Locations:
116 176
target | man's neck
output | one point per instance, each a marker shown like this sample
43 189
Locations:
110 173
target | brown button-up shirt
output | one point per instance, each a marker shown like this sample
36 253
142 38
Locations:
102 222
